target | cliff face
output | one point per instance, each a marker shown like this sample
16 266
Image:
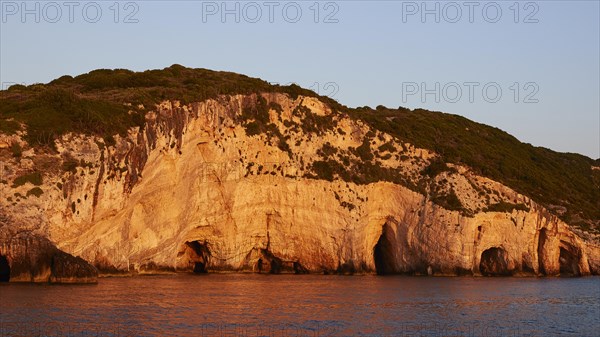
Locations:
274 184
31 258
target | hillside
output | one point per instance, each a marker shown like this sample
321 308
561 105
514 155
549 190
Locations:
110 102
190 170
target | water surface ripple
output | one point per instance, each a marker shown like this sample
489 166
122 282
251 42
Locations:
304 305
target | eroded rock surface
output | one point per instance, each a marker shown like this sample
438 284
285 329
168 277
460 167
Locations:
30 258
205 188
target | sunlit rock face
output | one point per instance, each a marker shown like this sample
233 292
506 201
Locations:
202 189
31 258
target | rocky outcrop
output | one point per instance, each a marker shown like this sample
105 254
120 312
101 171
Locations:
31 258
205 188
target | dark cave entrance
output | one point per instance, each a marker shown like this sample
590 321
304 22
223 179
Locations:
494 262
268 263
299 268
200 268
199 255
4 269
568 262
383 252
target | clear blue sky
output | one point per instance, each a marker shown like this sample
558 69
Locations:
372 52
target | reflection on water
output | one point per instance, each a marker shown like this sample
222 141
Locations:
313 305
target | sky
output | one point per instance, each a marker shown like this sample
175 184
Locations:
531 68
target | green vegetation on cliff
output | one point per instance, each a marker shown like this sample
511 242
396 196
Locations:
548 177
106 103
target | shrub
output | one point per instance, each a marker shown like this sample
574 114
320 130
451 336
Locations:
69 164
35 191
313 123
387 147
435 167
252 129
364 150
327 150
34 178
16 150
449 201
506 207
275 106
9 127
348 205
323 170
283 145
258 111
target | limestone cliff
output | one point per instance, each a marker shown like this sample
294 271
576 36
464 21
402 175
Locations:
32 258
271 183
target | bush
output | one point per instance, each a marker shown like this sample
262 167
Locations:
327 150
69 164
283 145
506 207
16 150
252 129
313 123
259 112
35 191
276 106
435 167
34 178
323 170
9 127
449 201
389 147
364 150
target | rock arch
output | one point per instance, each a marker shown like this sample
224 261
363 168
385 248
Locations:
4 269
495 262
384 252
195 257
269 263
560 255
263 261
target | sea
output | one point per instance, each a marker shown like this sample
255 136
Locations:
304 305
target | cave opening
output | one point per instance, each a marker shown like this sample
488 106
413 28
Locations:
199 255
268 262
383 252
568 262
200 268
494 262
299 268
4 269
